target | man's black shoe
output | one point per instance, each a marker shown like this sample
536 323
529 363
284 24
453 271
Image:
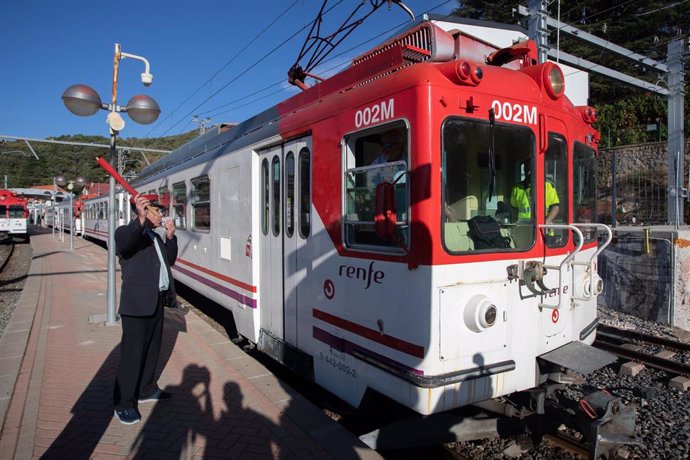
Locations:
128 416
158 395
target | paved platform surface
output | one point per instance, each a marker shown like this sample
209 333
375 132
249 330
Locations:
57 367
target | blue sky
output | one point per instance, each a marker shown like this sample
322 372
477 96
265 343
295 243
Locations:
194 52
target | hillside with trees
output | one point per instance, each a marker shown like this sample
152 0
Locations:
645 27
20 169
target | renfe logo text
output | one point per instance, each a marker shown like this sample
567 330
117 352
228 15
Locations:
359 273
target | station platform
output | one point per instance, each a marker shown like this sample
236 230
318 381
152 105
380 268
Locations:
57 367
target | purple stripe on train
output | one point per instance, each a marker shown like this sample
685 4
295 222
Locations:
351 348
213 285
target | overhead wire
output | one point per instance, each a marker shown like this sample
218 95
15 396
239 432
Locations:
224 66
245 71
612 8
326 71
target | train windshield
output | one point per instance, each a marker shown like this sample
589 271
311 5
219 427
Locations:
16 211
487 183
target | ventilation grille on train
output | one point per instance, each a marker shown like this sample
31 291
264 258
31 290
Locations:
425 42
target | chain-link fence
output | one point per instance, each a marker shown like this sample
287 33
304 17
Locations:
633 185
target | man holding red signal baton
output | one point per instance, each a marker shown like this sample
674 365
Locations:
147 287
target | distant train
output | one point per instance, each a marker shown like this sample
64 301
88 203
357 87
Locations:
14 215
368 232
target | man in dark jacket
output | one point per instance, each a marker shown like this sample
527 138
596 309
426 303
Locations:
147 287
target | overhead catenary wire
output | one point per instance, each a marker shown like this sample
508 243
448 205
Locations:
211 112
224 66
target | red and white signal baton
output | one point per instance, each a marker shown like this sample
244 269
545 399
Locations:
109 169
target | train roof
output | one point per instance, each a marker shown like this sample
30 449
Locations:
230 137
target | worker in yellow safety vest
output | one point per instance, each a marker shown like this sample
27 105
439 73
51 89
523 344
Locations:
521 198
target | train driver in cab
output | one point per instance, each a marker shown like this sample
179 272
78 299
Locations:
521 197
392 146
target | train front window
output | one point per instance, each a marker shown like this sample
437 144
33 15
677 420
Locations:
16 212
487 182
584 188
373 157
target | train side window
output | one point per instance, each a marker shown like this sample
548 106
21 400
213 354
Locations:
289 194
164 201
584 188
201 203
275 201
304 193
372 157
179 205
3 210
265 197
556 190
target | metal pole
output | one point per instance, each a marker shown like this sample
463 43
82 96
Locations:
71 222
54 211
614 185
111 318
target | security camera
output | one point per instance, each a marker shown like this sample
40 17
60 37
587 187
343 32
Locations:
146 78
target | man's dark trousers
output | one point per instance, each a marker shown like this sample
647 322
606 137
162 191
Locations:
139 350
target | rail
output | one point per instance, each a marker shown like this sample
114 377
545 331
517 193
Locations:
606 342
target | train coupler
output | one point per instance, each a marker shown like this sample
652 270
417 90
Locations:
607 421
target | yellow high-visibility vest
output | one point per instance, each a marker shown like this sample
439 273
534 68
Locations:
520 199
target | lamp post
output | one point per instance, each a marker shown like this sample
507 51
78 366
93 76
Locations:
53 203
82 100
61 181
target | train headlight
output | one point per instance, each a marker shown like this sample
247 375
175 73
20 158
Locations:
462 72
476 75
554 81
480 313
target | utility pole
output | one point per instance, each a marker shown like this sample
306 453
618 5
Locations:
675 158
538 30
202 123
672 70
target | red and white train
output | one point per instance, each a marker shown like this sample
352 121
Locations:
14 215
372 273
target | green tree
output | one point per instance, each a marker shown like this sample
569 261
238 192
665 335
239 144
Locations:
72 161
643 27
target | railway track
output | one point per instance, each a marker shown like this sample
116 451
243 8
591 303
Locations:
616 341
6 249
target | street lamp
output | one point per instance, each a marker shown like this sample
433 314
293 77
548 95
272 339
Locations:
61 181
84 101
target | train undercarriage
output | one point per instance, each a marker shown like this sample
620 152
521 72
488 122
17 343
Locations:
603 422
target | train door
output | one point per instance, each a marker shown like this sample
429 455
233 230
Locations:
271 243
556 210
285 201
297 208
